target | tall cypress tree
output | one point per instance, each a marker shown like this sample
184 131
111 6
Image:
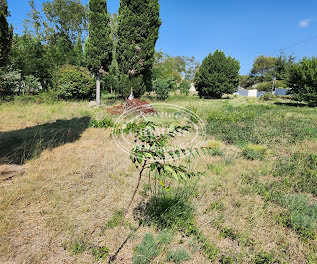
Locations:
138 30
6 33
98 48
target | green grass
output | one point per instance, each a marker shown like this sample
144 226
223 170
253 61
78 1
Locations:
261 176
262 124
177 256
297 172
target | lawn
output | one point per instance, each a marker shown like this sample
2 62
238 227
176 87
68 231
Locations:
256 201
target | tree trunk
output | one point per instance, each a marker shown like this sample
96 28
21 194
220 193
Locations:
98 89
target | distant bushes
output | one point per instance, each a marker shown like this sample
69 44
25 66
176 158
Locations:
74 82
265 86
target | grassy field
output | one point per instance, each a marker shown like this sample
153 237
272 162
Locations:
255 203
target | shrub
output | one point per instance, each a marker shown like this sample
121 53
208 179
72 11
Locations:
161 88
184 87
177 256
105 123
265 86
10 82
73 82
146 251
303 80
48 97
267 97
254 152
31 85
217 75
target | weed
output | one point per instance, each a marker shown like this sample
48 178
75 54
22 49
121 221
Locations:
177 256
146 251
302 213
227 232
298 172
217 205
100 253
224 259
265 258
115 220
79 246
254 152
167 209
259 124
105 123
165 236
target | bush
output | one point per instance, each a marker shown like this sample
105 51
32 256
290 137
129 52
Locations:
105 123
184 87
10 82
267 97
48 97
265 86
217 75
161 88
136 83
303 80
74 82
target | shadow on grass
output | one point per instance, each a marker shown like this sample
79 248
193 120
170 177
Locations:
16 147
291 104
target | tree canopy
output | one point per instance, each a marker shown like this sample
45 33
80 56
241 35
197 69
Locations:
263 65
98 48
303 80
6 33
217 75
138 28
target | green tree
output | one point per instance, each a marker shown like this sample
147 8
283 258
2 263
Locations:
303 80
179 67
282 65
33 24
138 28
67 18
28 56
6 33
263 66
78 53
99 45
217 75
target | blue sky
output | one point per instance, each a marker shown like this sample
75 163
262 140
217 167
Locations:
243 29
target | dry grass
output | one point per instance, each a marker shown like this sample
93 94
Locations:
69 193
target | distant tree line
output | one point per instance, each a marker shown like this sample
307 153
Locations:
117 49
67 47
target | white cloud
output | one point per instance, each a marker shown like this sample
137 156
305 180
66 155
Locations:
305 23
